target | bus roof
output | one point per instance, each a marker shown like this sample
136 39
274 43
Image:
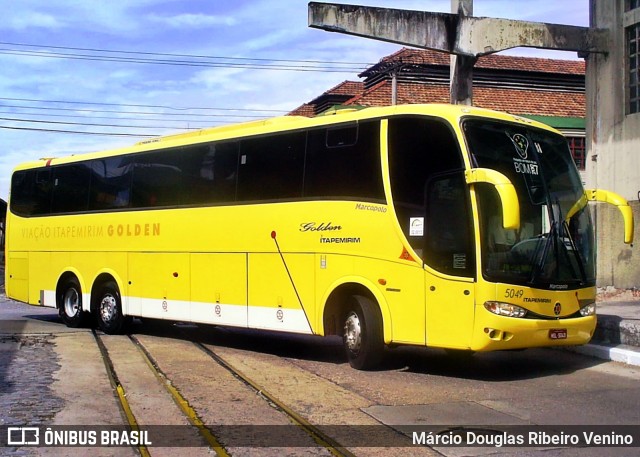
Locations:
452 113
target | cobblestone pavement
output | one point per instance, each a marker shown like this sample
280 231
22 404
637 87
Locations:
28 363
27 366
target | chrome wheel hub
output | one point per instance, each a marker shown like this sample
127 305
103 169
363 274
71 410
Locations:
108 308
352 333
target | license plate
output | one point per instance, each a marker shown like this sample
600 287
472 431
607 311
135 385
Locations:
558 334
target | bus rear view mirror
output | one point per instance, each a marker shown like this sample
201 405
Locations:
508 196
606 196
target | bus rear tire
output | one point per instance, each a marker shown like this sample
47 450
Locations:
70 304
363 335
108 309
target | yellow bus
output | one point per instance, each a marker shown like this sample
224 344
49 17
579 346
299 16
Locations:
431 225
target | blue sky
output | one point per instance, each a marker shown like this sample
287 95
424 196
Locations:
57 65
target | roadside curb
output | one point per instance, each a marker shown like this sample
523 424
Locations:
619 329
620 353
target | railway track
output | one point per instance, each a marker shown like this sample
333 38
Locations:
222 440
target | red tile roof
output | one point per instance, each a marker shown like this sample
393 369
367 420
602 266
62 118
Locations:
492 61
347 88
306 110
515 101
536 100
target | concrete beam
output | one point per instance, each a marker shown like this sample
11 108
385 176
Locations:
416 28
483 35
461 35
461 67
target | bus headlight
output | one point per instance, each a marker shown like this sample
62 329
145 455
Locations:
505 309
588 310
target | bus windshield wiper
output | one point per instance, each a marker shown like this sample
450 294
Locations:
567 234
542 258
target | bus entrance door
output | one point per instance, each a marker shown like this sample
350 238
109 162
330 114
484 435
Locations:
450 262
450 311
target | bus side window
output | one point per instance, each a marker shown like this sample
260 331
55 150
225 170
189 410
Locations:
23 201
214 174
449 245
344 162
31 192
71 188
157 179
340 137
110 183
270 167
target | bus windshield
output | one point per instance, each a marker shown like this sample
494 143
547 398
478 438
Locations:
554 246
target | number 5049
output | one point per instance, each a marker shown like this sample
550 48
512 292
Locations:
513 293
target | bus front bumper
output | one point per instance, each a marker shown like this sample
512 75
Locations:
494 333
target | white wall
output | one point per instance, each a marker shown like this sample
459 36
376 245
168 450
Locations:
613 146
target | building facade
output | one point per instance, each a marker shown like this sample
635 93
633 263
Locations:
613 135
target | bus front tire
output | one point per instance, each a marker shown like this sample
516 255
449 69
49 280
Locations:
109 310
70 304
363 335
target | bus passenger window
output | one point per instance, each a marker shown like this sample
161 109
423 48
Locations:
31 192
344 163
271 167
211 170
342 136
71 188
110 183
157 179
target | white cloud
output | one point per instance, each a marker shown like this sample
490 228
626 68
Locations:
32 20
275 38
219 81
193 21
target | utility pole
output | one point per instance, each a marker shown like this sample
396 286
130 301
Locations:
460 33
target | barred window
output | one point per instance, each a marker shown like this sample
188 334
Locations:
632 4
633 49
577 146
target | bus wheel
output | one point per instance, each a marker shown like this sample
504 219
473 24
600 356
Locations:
362 338
70 304
109 309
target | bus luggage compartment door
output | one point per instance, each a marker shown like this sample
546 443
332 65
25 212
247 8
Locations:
281 297
17 276
159 285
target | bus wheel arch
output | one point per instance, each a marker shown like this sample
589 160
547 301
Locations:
69 300
353 313
106 305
